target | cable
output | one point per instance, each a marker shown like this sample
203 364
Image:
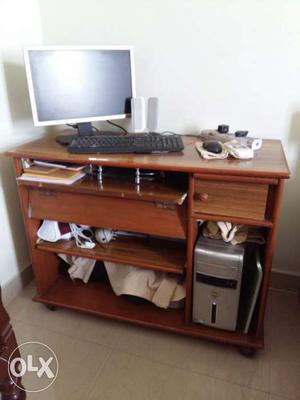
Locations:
74 126
82 240
118 126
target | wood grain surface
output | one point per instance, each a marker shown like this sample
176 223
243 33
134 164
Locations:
234 199
156 254
268 162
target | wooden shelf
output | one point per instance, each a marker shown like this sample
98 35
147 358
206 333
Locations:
170 190
98 299
151 253
236 220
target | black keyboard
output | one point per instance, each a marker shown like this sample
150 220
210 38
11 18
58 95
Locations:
126 144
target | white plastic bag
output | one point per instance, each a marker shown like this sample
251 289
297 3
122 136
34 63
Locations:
52 231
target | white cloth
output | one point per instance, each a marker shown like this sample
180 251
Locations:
158 287
233 233
228 230
81 268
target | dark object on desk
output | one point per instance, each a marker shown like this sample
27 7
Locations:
125 144
213 146
65 139
241 133
223 128
8 388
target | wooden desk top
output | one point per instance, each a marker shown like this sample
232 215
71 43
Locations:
269 161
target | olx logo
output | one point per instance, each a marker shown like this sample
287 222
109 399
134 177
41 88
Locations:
37 366
28 366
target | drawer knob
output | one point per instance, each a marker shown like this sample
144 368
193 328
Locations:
203 196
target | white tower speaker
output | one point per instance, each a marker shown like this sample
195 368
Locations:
152 117
138 119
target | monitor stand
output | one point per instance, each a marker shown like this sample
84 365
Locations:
84 129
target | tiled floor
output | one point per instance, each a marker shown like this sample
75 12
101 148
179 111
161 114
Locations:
106 360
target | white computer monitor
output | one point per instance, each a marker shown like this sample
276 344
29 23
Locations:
79 84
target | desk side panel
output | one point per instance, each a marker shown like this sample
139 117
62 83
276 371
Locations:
45 266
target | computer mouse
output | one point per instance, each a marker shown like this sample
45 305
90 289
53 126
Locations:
213 146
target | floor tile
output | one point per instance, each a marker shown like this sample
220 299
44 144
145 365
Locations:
158 346
201 387
67 322
285 344
285 379
224 362
79 361
218 361
126 376
285 326
109 360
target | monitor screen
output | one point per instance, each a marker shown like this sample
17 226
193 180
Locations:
69 85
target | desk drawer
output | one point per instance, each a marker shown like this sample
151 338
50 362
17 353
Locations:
109 212
234 199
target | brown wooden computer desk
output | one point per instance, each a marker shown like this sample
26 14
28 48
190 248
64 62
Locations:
244 192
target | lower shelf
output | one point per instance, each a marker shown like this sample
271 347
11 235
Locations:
151 253
98 299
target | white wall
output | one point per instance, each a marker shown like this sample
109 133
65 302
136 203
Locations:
19 25
228 61
231 61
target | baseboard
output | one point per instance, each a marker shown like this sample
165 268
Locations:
12 288
285 281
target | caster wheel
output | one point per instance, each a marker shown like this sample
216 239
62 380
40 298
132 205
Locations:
247 351
50 307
